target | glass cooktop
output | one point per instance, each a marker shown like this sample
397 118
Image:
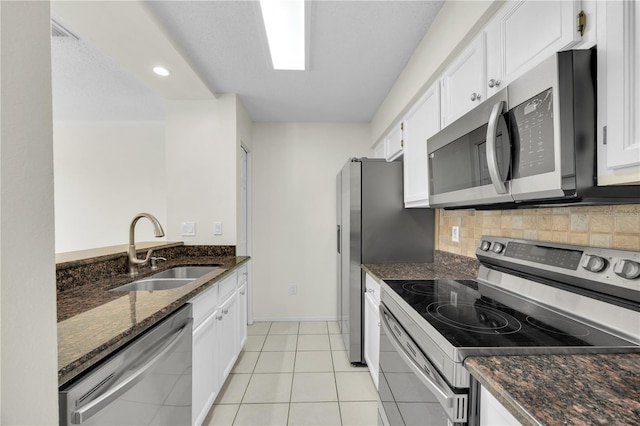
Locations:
471 314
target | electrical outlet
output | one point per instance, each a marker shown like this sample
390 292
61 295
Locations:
455 234
293 289
217 228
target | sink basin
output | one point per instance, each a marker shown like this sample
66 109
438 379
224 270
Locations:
151 284
188 272
169 279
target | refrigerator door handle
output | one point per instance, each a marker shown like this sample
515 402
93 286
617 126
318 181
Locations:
339 235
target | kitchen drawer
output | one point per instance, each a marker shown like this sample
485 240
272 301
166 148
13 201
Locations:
372 287
242 275
204 304
228 286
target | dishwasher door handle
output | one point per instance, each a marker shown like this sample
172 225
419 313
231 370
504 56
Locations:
82 414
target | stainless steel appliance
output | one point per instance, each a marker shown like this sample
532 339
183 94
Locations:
534 142
529 298
373 227
147 382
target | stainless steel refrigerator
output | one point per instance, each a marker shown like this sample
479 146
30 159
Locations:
373 227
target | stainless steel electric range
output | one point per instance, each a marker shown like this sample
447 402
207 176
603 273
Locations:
530 297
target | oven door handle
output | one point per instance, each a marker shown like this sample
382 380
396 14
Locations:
455 405
492 154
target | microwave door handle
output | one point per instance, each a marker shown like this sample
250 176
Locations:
492 155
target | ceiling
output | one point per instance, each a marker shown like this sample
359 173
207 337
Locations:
356 51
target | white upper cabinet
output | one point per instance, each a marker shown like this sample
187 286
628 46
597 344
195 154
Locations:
618 92
421 122
394 142
523 33
463 83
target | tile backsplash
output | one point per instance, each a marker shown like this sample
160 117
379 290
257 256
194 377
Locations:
599 226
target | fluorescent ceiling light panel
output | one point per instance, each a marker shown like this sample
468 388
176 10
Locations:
284 24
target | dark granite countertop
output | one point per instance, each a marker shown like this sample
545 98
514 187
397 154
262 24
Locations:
93 322
445 265
601 389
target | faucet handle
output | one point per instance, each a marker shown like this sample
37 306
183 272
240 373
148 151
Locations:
154 262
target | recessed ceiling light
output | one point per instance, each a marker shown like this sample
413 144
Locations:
284 24
161 71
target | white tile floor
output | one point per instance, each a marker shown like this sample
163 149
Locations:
292 373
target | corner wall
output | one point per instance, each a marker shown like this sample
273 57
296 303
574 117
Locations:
28 361
294 215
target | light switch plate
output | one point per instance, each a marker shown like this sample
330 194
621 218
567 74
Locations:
217 228
188 229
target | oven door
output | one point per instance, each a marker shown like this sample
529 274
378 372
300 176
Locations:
411 391
469 160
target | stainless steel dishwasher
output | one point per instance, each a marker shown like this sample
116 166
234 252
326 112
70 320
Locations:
148 382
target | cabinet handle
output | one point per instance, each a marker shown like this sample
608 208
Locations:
225 311
475 96
494 83
219 317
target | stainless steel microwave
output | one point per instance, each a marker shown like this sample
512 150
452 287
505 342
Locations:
534 142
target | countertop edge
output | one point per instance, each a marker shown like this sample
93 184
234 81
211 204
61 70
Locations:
511 405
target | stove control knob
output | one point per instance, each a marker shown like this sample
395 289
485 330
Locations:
485 245
498 247
627 269
594 263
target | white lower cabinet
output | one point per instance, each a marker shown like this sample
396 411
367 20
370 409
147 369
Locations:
205 384
243 287
492 412
372 327
228 335
242 316
219 333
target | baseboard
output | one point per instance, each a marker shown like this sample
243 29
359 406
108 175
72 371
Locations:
284 319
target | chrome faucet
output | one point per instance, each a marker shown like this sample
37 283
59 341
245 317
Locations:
134 262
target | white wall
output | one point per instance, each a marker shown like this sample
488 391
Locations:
104 176
28 379
294 215
201 152
456 23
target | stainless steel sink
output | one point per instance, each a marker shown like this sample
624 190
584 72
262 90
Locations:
151 284
169 279
189 272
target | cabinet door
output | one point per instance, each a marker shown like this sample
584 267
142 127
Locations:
394 143
618 92
422 122
205 384
372 337
242 316
228 329
463 82
526 32
493 413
